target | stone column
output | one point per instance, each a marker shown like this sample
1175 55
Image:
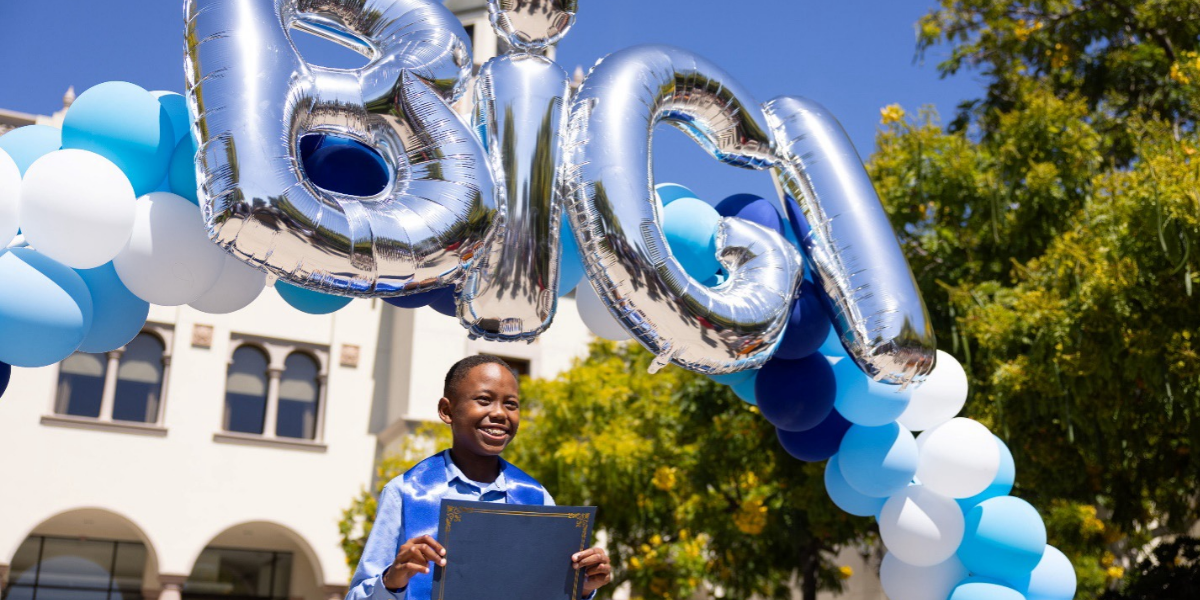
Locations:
3 578
172 587
272 416
110 384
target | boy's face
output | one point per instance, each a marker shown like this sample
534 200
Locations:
485 411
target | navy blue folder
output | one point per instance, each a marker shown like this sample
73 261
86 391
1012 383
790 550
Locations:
511 551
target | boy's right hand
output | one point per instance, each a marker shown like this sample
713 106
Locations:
414 557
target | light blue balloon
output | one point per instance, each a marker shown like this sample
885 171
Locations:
832 347
1001 486
182 171
570 269
878 461
177 111
690 226
117 315
866 402
745 389
1052 579
982 588
670 192
125 124
1005 538
308 301
29 143
732 379
846 497
45 309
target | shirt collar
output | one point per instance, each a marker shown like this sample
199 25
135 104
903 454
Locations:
453 472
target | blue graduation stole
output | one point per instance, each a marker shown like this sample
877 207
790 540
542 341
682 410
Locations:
423 489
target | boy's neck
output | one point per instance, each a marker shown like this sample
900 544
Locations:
484 469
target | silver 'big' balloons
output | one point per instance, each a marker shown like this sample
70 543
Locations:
477 206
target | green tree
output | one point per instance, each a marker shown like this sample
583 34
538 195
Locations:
693 488
1050 227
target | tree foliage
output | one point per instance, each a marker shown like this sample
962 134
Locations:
1051 227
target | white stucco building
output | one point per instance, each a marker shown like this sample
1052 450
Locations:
210 459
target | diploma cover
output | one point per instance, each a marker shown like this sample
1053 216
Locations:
511 551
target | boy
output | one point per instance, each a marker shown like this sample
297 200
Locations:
481 403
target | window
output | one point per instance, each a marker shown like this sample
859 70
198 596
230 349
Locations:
246 391
298 395
54 568
228 574
124 386
275 390
520 365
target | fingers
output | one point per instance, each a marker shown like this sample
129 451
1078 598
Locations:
427 553
599 570
432 543
589 557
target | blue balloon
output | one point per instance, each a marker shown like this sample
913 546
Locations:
570 269
866 402
5 376
1005 538
752 208
983 588
45 309
796 395
343 165
832 346
308 301
690 226
732 379
670 192
117 315
846 497
808 325
442 300
745 389
818 443
797 229
1052 579
125 124
878 461
182 172
177 111
1000 486
29 143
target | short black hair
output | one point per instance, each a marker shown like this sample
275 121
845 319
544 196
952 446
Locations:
464 366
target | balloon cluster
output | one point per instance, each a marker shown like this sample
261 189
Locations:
109 223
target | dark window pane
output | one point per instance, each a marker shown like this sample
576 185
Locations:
18 592
139 380
129 568
246 391
246 573
25 561
80 385
520 365
54 593
298 393
79 564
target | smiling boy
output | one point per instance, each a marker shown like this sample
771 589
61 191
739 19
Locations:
481 403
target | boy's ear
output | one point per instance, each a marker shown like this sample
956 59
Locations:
444 410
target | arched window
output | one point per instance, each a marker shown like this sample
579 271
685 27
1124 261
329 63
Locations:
299 392
139 380
80 385
246 391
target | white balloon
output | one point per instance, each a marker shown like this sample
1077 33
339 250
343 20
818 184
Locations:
237 287
902 581
596 316
939 398
958 458
10 197
77 208
920 526
169 260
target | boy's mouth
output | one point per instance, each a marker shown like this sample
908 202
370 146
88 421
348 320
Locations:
494 434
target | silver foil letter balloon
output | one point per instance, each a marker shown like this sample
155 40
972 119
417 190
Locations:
614 214
253 97
519 113
876 307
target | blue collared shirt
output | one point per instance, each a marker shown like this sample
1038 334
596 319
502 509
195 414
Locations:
384 541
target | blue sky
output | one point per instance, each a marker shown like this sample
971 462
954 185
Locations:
853 56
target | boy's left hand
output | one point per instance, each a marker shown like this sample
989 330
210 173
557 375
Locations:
596 566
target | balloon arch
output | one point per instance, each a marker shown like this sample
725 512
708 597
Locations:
343 183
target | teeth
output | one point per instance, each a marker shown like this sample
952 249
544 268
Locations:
493 431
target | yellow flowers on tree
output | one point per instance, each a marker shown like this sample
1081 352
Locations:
1052 226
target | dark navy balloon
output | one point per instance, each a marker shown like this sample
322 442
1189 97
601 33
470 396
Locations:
818 443
807 327
441 300
5 375
796 395
752 208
